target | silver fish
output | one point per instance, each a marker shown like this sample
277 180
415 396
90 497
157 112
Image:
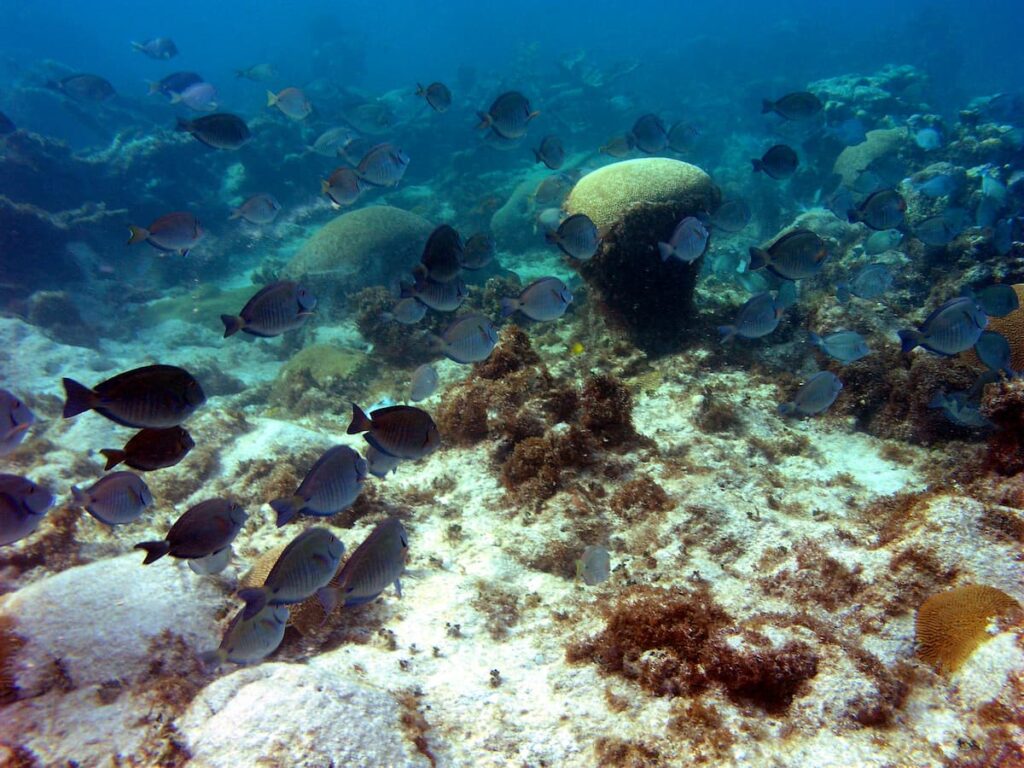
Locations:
443 297
594 565
951 328
844 346
118 498
577 237
688 241
304 568
15 420
469 339
546 298
424 383
22 507
330 486
248 640
258 209
408 311
815 396
757 318
376 563
379 464
383 166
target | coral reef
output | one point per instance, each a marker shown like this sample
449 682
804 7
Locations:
321 378
636 204
368 246
951 625
854 160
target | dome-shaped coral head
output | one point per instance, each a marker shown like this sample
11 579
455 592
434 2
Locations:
951 625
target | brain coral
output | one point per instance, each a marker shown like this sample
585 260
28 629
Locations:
1012 327
636 204
606 194
307 616
359 248
950 625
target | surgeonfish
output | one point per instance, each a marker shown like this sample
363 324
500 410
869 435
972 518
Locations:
205 529
402 431
330 486
815 396
372 566
151 396
23 504
115 499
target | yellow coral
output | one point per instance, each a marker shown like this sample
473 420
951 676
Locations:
607 193
1012 327
308 616
853 160
951 625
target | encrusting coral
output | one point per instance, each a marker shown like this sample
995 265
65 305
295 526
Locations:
951 625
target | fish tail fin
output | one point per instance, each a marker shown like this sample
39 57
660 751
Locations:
843 292
325 186
235 214
80 497
183 125
758 259
535 113
213 659
137 46
360 421
909 339
485 120
420 90
666 251
767 106
758 165
509 306
271 98
287 507
175 98
815 339
239 73
78 398
787 409
232 324
154 86
329 598
113 457
255 601
138 234
728 333
551 236
154 550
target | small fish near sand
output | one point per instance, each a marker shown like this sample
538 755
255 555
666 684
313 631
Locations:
276 308
116 499
470 339
960 409
402 431
304 567
815 396
151 449
374 565
757 318
23 504
203 531
844 346
330 486
594 566
546 298
249 640
151 396
177 232
15 420
424 383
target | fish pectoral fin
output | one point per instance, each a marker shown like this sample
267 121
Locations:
398 587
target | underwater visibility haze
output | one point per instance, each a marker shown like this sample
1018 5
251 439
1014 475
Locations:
512 384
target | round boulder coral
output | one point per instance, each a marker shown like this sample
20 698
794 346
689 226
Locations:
357 249
1012 327
636 204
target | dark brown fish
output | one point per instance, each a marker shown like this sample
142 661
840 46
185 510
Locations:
274 309
508 116
793 106
649 134
343 187
479 251
779 162
884 209
152 396
151 449
221 130
85 87
442 255
177 231
620 146
437 95
205 529
550 152
402 431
